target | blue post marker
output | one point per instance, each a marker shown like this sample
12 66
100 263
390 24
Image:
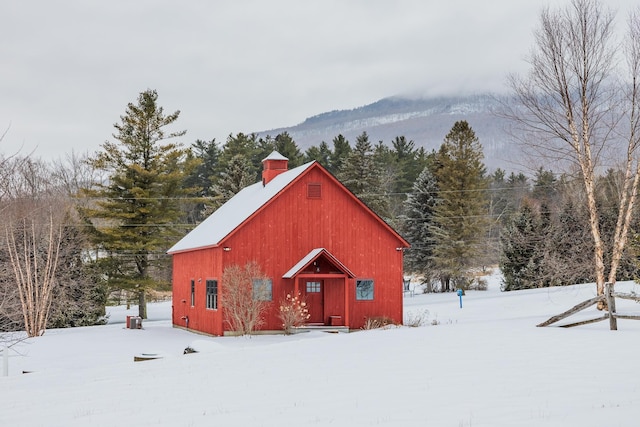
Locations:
460 295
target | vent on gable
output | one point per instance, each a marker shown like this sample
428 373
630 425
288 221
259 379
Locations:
314 190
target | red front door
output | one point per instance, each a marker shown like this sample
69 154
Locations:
313 294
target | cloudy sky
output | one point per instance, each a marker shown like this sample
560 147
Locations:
68 68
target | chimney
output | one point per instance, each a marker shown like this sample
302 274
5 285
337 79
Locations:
273 165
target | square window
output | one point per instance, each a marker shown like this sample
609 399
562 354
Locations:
364 289
262 290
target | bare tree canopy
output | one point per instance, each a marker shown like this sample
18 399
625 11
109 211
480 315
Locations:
574 107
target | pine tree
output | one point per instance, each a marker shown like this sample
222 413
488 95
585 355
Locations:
321 154
248 146
460 229
238 175
341 150
286 146
418 224
544 185
81 296
360 175
206 154
519 242
134 214
570 247
404 158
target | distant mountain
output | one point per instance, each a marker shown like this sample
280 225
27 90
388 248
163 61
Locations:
425 121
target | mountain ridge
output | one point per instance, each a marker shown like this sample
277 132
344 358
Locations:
425 121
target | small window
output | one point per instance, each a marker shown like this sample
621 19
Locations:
262 290
193 293
364 289
212 294
314 190
313 287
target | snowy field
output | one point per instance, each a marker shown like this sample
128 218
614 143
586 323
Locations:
483 365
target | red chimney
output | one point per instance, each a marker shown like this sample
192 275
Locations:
273 165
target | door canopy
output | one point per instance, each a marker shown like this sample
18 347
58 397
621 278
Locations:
318 261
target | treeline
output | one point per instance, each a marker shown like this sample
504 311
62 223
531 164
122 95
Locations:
79 230
545 238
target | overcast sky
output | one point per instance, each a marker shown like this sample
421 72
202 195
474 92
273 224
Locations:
68 68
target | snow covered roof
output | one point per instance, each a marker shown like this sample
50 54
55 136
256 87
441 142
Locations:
275 156
312 256
233 213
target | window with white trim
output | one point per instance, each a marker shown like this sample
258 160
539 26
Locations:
364 289
262 289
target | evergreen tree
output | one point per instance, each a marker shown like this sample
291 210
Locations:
403 168
407 168
460 229
81 296
418 224
206 155
265 147
608 199
341 150
135 212
519 250
238 175
321 154
570 247
286 146
544 185
423 159
249 147
360 175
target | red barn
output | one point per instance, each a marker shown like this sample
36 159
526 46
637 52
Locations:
309 234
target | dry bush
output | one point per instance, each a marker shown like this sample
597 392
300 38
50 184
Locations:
414 319
378 322
244 309
33 235
293 313
479 284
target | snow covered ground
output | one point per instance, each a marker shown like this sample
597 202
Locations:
483 365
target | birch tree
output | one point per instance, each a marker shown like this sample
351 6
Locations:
580 113
33 249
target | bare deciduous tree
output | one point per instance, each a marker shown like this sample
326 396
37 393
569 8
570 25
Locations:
33 251
579 112
39 229
244 297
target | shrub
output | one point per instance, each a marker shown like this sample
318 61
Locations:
293 313
415 319
377 322
480 284
244 310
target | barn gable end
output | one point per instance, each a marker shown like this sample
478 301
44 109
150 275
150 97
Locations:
311 236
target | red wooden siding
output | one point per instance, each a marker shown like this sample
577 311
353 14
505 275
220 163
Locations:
285 230
200 266
293 224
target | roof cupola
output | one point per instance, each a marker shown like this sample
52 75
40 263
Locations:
273 165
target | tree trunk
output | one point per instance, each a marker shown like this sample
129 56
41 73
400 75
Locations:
594 225
142 304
